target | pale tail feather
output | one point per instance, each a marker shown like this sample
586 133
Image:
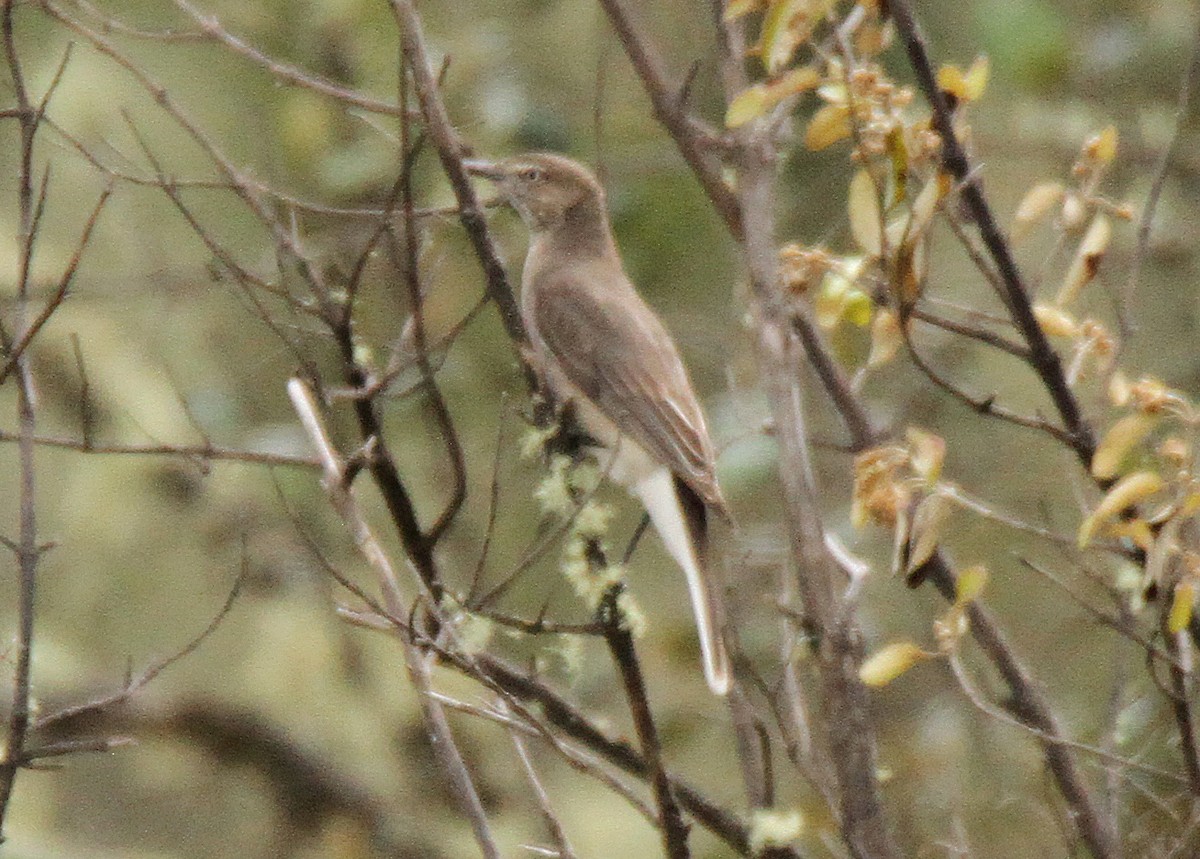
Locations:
658 494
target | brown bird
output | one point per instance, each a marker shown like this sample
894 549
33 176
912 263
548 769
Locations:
599 346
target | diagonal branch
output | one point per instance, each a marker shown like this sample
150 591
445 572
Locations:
1042 357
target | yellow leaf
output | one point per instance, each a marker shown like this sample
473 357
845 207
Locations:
1087 259
1038 200
793 82
749 104
829 125
1055 321
863 208
964 86
735 9
1181 607
858 308
1128 491
888 663
1120 439
1137 531
779 40
976 78
1102 147
971 583
950 80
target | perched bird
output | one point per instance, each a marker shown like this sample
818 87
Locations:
599 346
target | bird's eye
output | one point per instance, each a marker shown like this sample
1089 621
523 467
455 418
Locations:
531 174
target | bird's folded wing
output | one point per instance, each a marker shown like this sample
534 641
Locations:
614 349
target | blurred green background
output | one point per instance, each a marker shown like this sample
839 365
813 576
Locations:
147 548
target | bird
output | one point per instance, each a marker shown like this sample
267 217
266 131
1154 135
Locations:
598 346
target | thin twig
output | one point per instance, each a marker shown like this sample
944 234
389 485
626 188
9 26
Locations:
1042 357
1146 220
620 645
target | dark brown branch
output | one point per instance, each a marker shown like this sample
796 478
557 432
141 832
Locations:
1042 357
620 645
1181 705
670 110
412 278
985 405
564 716
1146 220
1027 702
451 151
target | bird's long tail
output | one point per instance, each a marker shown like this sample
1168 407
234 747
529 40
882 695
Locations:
679 516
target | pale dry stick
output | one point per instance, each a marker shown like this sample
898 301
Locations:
848 729
203 452
341 496
576 758
210 25
980 702
553 825
1146 220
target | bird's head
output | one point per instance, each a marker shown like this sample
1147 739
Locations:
543 188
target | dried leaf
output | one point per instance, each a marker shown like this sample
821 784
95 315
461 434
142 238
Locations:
1127 492
1120 390
779 38
971 583
1087 259
749 104
1055 321
1120 439
735 9
888 663
927 452
885 338
863 208
1034 206
793 82
926 531
926 205
829 124
1181 607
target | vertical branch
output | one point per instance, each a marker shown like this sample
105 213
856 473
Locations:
341 496
1042 357
620 645
26 548
412 279
850 734
1181 708
451 151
